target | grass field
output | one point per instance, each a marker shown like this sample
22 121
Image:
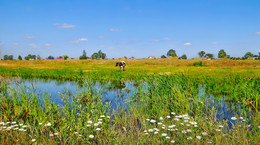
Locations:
170 111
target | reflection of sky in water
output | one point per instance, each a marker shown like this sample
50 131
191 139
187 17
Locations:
118 93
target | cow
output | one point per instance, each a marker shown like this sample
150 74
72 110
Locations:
121 64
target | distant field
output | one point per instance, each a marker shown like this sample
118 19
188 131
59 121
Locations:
220 68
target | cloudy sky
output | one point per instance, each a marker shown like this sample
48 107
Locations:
138 28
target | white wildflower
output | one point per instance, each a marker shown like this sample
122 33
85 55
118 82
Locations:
153 121
89 122
189 138
88 125
198 137
150 130
98 129
156 132
91 136
172 113
167 137
168 116
102 116
51 135
233 118
164 134
161 118
173 141
204 133
33 140
147 119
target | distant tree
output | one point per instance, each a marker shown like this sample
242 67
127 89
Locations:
172 53
201 53
5 57
248 54
209 55
10 57
125 57
29 56
39 57
163 56
20 58
65 57
222 54
60 57
50 57
94 56
33 56
184 56
101 54
84 56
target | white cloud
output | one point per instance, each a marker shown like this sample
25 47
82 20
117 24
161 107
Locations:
29 37
47 45
115 30
257 33
214 43
166 38
188 44
101 37
64 25
79 40
32 45
154 40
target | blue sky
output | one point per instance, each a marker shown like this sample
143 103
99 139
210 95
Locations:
138 28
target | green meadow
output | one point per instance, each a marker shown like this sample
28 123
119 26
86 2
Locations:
173 107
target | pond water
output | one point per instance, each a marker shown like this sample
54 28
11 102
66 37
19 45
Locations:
119 93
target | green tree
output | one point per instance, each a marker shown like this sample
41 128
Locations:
94 56
50 57
84 56
209 55
20 58
172 53
201 53
101 54
184 56
5 57
222 54
163 56
39 57
65 57
248 54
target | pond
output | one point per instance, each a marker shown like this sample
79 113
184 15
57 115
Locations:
119 93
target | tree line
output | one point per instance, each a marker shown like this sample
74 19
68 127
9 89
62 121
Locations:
221 54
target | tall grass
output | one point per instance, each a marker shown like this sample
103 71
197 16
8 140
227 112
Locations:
171 105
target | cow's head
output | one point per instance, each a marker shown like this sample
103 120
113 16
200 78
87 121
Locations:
117 63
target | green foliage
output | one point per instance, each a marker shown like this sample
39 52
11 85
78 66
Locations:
29 56
8 57
200 63
94 56
172 53
65 57
248 54
163 56
222 54
201 53
209 55
84 56
184 56
20 58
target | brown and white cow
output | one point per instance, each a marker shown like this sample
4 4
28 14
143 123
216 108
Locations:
121 64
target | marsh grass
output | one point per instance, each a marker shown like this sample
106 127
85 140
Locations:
172 88
167 97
